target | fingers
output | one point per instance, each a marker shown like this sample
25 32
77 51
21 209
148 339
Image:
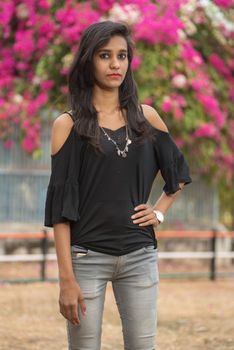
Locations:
82 304
143 209
74 314
145 216
70 312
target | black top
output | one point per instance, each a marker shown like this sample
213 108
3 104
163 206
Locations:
97 193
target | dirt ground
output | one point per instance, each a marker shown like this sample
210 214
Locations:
194 315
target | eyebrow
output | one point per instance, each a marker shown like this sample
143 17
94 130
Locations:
107 50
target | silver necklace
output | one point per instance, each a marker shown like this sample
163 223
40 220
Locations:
122 153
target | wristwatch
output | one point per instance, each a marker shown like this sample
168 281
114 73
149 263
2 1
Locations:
159 215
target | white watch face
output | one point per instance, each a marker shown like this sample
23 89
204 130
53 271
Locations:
159 215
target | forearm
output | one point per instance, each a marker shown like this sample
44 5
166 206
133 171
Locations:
62 246
164 202
70 295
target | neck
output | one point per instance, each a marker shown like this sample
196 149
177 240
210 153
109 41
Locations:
106 101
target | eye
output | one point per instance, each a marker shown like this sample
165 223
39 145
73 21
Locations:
104 55
122 56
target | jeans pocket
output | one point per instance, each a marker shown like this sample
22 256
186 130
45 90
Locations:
79 251
149 248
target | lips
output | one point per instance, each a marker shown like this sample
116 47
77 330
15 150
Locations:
115 75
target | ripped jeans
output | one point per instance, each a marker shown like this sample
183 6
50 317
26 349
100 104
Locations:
134 278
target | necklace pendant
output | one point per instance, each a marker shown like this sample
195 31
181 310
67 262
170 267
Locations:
120 153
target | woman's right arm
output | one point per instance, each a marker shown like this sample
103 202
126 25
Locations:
70 296
70 293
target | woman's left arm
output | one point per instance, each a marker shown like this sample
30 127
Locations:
145 215
173 168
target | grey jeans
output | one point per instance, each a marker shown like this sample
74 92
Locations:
134 278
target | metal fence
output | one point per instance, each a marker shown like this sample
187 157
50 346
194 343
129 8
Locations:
23 184
44 256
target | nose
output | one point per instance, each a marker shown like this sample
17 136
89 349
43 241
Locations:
114 63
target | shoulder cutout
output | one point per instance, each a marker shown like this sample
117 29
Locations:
154 118
60 131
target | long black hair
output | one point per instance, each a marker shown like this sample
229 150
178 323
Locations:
81 82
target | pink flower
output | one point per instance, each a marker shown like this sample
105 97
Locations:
7 63
29 144
47 84
231 64
167 105
179 100
178 113
64 89
42 43
174 103
220 117
37 126
13 109
64 70
206 130
3 116
31 132
105 5
41 99
148 101
201 83
25 124
24 44
6 81
231 125
75 19
159 21
2 102
231 94
158 29
211 106
224 3
7 9
179 142
229 160
198 84
8 144
146 31
219 64
22 66
190 55
47 29
179 81
44 4
232 144
136 61
31 109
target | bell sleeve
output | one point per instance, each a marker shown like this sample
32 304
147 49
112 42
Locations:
172 163
62 197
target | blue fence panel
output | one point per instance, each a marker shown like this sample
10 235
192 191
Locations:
24 180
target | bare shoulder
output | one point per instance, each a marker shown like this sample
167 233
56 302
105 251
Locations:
154 118
61 129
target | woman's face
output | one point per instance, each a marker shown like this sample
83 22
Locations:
111 63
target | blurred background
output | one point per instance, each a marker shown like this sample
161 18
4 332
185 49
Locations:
183 66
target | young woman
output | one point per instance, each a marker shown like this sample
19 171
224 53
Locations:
106 153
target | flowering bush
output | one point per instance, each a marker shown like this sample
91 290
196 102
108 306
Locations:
183 65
